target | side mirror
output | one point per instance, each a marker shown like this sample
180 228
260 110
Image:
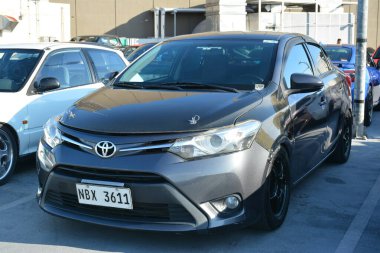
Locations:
378 64
303 83
47 83
108 77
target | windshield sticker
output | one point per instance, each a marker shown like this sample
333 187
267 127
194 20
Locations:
259 86
271 41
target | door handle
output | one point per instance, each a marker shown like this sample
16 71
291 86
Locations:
323 101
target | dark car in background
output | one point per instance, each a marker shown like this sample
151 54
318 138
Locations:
105 40
139 51
129 49
200 132
344 56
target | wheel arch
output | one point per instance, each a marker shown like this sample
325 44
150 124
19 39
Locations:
14 134
282 142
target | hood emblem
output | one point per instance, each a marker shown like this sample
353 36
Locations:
194 120
71 115
105 149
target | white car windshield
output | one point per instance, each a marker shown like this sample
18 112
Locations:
16 66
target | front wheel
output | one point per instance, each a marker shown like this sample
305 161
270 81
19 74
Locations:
368 111
276 192
8 154
343 148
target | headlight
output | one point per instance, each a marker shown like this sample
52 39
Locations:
52 136
220 141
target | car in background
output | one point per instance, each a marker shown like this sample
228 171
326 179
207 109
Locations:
376 56
129 49
200 132
139 51
40 80
343 56
104 40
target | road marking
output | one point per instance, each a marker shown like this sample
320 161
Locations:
360 221
17 202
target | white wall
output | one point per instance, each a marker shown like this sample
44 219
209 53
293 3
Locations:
38 21
330 27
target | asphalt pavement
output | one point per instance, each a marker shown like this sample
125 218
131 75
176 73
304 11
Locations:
335 209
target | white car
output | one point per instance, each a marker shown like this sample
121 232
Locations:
38 81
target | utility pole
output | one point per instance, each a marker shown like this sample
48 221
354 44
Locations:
360 68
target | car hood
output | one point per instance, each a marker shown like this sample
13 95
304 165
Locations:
116 110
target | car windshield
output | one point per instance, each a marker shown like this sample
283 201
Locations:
16 66
238 64
139 51
337 53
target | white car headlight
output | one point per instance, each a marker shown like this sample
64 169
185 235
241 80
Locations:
219 141
52 136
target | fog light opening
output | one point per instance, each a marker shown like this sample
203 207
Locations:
227 204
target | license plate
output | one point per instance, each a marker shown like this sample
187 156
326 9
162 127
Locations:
117 197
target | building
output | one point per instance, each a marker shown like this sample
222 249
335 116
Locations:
325 20
34 20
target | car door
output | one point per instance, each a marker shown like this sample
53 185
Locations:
308 111
333 92
374 77
71 69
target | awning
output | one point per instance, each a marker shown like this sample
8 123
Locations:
7 22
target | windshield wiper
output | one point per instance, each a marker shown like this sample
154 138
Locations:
148 86
128 85
201 85
162 86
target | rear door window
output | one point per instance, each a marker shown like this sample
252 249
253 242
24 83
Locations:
320 59
105 62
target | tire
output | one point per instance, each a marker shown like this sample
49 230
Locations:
276 192
8 154
368 111
343 148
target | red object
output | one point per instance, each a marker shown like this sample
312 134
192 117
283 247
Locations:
376 53
351 74
349 83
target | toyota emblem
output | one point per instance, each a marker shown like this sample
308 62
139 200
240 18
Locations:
105 149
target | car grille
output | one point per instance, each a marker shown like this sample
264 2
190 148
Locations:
102 174
142 212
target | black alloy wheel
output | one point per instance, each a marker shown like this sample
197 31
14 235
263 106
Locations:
276 192
368 111
343 148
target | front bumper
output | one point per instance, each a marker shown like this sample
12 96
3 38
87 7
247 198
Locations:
168 193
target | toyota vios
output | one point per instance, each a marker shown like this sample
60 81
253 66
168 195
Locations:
201 132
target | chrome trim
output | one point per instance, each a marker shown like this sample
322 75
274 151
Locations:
99 182
75 143
167 145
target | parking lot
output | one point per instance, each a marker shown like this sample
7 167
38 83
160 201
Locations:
335 209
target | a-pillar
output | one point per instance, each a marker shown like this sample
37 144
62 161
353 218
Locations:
226 15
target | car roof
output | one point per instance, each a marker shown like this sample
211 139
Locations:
240 35
342 45
103 35
51 45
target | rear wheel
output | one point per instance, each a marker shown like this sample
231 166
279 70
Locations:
343 148
368 111
276 191
8 154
